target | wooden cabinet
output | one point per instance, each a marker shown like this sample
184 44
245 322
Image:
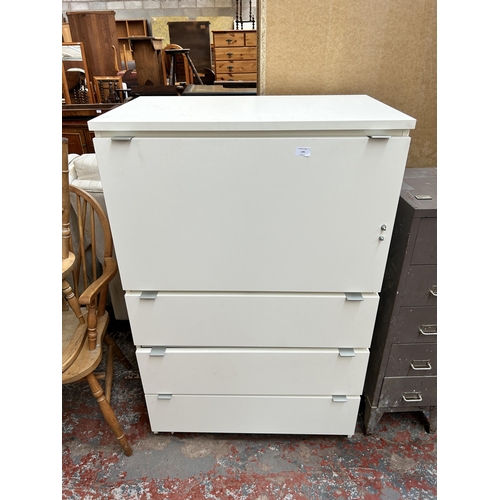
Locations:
97 31
235 55
252 277
402 372
74 125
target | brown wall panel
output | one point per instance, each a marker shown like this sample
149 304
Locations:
384 49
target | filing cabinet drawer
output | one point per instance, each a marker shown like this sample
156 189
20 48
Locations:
252 320
253 414
421 286
416 324
425 249
412 360
308 372
408 391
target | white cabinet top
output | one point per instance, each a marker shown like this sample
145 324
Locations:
252 113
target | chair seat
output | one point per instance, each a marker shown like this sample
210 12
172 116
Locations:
86 361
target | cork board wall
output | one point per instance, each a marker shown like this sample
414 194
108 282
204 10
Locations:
383 49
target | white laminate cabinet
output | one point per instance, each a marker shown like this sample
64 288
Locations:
252 236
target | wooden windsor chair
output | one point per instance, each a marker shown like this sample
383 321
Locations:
85 284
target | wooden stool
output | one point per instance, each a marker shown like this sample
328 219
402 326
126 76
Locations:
173 53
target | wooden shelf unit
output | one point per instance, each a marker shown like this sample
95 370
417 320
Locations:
128 29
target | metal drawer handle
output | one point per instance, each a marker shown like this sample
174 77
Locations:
230 68
124 138
428 330
434 291
421 364
411 397
229 54
229 40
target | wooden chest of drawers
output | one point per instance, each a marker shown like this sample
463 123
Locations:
235 55
252 277
402 373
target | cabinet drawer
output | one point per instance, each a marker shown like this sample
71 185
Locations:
425 249
235 54
253 414
252 319
408 391
229 38
416 324
236 67
420 287
250 39
309 372
236 77
412 360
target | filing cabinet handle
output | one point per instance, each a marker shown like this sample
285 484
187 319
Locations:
411 397
421 364
434 291
428 330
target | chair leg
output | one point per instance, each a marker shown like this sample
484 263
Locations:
108 413
117 352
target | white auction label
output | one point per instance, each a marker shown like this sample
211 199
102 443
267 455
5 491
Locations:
302 151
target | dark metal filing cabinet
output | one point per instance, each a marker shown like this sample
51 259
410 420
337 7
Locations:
402 371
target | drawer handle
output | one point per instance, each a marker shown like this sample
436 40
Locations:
347 352
122 138
229 54
230 68
421 364
337 398
229 40
158 351
354 296
428 330
148 295
164 396
434 291
411 397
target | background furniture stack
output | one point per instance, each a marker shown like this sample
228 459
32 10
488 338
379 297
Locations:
402 373
252 277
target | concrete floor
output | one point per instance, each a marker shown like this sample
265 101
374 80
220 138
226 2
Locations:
397 462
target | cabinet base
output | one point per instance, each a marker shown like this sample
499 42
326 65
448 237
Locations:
373 414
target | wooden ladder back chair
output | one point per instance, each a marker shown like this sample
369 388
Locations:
85 286
108 89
